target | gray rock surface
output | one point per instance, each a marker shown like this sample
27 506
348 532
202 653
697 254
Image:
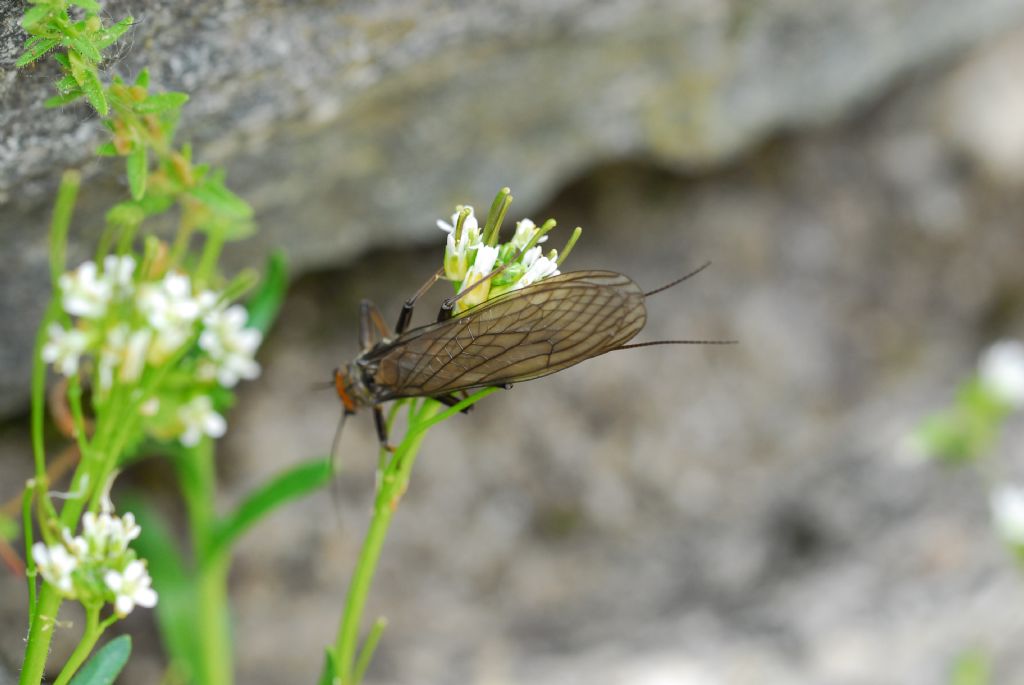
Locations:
341 122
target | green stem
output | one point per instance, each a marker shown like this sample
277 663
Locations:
197 475
93 630
393 482
44 620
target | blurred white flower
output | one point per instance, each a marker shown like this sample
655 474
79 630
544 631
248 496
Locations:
125 350
150 407
199 418
120 272
131 587
1007 506
231 345
56 565
107 536
171 311
84 292
1001 369
486 256
64 348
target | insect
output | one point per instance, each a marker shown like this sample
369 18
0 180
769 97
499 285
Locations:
518 336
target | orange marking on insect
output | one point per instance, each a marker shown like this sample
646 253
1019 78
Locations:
339 384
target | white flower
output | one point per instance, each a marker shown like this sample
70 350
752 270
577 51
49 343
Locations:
486 256
1001 368
131 587
199 418
537 266
1007 506
56 565
470 224
231 345
171 311
525 230
84 292
119 272
107 535
64 348
124 349
459 253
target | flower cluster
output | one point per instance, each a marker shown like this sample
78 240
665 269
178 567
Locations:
125 323
98 566
474 259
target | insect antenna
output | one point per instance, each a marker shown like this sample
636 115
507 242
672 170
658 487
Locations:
678 342
678 280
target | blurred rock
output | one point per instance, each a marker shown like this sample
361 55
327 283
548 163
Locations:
344 123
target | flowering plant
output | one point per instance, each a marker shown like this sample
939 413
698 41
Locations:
969 429
480 267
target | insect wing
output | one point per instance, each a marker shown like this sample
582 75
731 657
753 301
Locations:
518 336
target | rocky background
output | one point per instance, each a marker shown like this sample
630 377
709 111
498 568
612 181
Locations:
743 514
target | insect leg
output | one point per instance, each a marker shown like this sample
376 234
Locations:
451 400
382 427
406 316
372 328
448 306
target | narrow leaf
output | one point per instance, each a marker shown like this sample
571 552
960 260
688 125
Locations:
290 485
137 166
161 102
330 671
84 47
63 99
112 33
106 664
88 81
34 15
38 49
218 198
265 303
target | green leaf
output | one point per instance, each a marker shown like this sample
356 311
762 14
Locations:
34 15
106 150
106 37
176 612
88 81
292 484
220 200
84 47
330 670
160 102
265 303
90 6
105 664
66 84
64 60
143 78
137 166
38 49
63 99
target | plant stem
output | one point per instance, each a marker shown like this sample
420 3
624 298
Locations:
44 620
92 632
197 476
